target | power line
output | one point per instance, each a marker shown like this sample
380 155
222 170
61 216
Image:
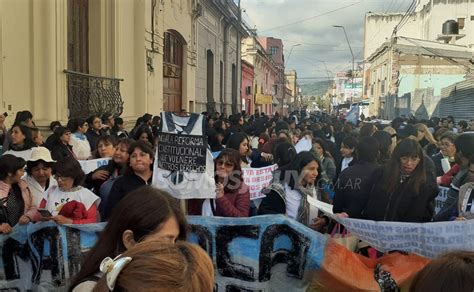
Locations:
405 17
312 17
450 59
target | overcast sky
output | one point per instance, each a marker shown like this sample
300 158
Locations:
319 40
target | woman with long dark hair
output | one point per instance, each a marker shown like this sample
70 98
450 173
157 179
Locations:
21 142
146 214
287 194
404 191
232 195
61 148
240 142
102 179
16 203
327 162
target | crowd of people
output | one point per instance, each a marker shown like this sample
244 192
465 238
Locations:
372 170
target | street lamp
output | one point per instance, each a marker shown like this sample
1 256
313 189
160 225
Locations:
350 48
291 51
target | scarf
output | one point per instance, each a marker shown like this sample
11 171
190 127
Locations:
80 136
302 215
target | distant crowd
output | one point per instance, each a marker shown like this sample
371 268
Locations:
376 170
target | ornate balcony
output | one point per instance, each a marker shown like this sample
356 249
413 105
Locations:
93 95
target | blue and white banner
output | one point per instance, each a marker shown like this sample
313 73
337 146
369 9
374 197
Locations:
91 165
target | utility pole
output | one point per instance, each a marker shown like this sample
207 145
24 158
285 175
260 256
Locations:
353 59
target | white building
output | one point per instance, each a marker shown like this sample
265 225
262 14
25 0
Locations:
426 23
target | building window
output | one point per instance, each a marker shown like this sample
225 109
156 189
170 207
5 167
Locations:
461 23
273 50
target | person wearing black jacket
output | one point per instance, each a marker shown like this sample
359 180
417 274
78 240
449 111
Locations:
61 149
94 132
139 174
101 180
353 186
404 191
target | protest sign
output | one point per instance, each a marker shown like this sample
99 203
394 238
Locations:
441 198
91 165
265 253
186 153
257 179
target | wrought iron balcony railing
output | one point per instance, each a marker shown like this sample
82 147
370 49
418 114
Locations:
93 95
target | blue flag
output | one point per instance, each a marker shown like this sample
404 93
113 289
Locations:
353 115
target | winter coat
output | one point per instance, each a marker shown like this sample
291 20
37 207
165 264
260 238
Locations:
403 204
353 187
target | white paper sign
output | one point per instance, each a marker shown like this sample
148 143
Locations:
303 145
257 179
441 198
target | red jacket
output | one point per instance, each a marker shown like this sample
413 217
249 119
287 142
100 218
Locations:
235 204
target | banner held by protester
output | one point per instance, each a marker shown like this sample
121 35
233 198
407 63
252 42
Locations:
257 179
265 253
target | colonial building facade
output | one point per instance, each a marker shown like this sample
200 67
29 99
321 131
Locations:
219 69
71 58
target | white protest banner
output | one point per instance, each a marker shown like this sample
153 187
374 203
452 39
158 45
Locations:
303 145
426 239
91 165
257 179
441 198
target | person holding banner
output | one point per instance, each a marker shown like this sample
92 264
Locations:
353 186
69 202
404 191
147 214
140 173
287 194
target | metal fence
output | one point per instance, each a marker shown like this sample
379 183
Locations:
93 95
457 100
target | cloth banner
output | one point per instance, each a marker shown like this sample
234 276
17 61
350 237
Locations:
91 165
184 166
265 253
426 239
257 179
